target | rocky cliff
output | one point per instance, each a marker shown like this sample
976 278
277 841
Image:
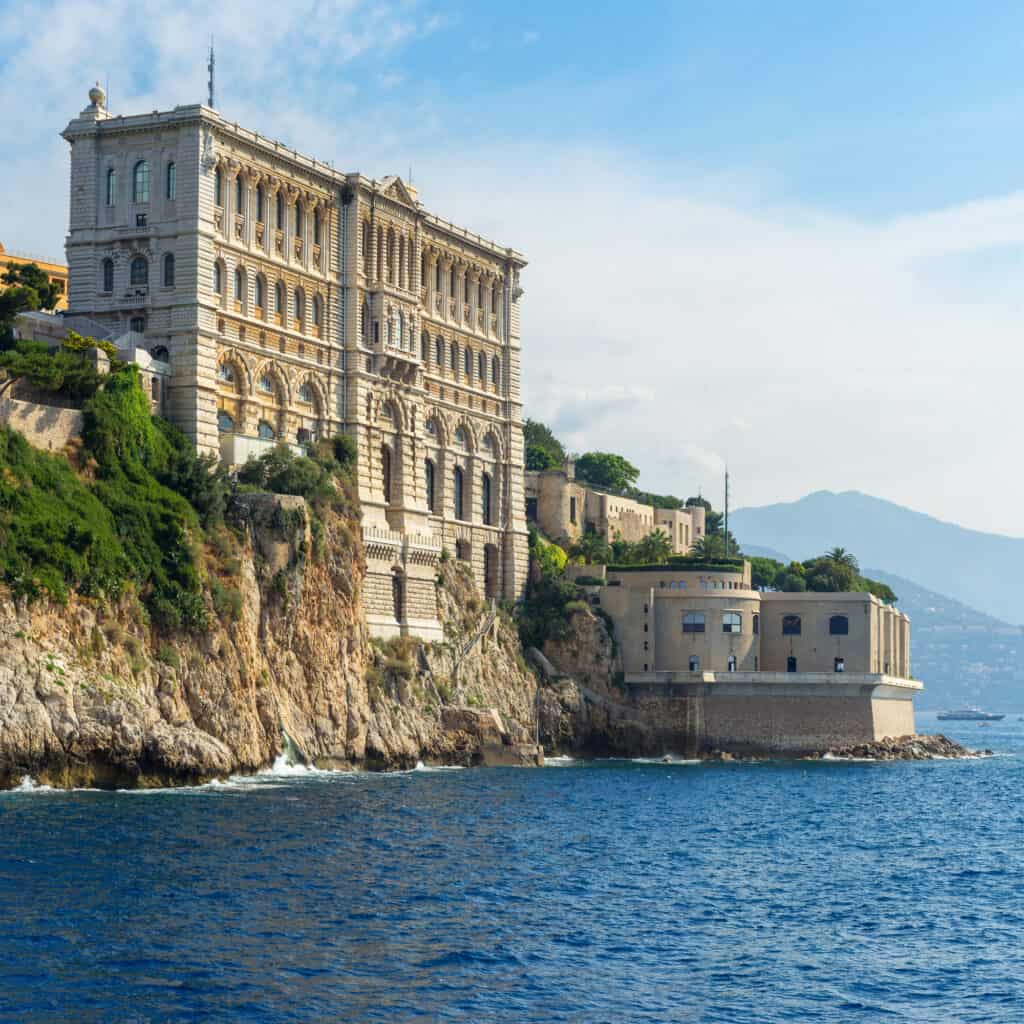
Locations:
91 694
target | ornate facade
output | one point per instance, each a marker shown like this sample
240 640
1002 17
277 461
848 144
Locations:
294 302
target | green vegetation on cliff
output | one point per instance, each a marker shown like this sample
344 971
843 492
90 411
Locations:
134 506
834 572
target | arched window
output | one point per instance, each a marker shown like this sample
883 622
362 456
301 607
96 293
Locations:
481 367
757 624
300 310
438 354
429 481
139 272
693 622
260 201
160 354
172 181
457 484
137 325
140 182
838 625
731 663
225 424
108 275
318 310
460 438
266 383
305 393
480 294
218 187
226 373
316 225
489 443
485 498
432 427
218 279
239 195
453 357
467 363
385 470
239 284
392 256
366 248
424 346
279 213
169 270
451 281
298 220
401 329
265 432
366 321
495 371
790 625
732 622
494 298
259 289
111 187
437 276
279 298
154 389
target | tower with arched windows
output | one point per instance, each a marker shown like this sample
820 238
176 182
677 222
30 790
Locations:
293 302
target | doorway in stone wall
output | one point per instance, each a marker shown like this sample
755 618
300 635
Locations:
397 594
791 664
490 571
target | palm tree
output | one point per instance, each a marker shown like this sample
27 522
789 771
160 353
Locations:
843 557
709 548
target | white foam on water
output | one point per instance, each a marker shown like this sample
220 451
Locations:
561 760
29 785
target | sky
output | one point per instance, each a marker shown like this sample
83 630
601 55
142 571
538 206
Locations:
785 237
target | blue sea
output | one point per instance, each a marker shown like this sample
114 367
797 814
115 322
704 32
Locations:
589 892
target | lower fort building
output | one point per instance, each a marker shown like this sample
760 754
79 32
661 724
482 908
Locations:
291 302
721 664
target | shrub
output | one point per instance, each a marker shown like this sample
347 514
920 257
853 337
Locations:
227 601
54 534
168 655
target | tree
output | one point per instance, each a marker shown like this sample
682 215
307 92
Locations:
653 549
592 549
792 579
26 288
604 469
538 459
842 557
709 548
764 572
543 449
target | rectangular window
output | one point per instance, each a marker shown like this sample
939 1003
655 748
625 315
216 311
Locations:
140 220
790 625
572 510
694 663
693 622
840 665
732 622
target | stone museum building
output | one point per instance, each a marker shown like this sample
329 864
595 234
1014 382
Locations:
292 302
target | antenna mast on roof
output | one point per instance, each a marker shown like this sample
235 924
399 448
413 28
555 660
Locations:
209 67
726 511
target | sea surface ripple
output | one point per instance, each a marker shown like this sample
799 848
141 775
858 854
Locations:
586 892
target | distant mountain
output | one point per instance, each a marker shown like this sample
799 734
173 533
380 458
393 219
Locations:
982 570
963 656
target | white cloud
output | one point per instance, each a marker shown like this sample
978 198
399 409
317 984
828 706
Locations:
683 323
